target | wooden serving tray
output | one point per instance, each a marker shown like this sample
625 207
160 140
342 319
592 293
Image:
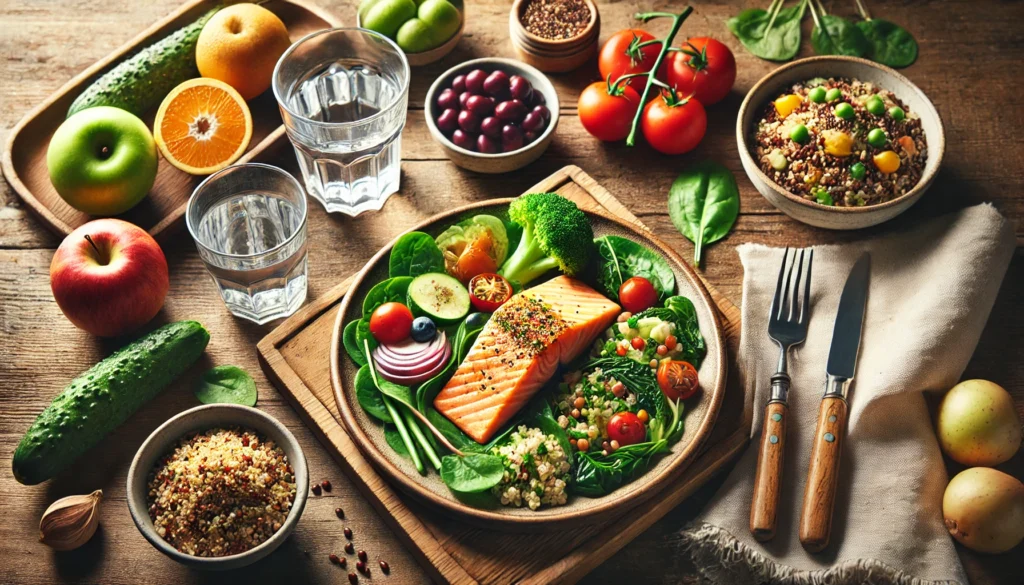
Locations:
296 358
163 210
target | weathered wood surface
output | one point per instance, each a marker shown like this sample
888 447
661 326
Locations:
970 63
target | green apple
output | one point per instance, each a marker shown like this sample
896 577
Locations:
441 18
386 16
102 160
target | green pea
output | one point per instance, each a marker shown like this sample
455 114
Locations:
817 95
823 197
833 94
875 106
844 111
858 171
799 134
877 137
897 113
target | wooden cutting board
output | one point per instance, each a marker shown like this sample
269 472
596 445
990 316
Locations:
295 356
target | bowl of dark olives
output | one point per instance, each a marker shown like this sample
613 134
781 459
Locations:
492 115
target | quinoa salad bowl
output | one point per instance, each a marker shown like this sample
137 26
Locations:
839 142
218 486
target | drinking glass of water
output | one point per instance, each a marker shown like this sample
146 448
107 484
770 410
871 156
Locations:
343 94
249 224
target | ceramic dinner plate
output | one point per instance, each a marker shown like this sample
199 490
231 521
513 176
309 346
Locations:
700 412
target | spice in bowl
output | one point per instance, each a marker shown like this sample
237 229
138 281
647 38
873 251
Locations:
556 20
220 492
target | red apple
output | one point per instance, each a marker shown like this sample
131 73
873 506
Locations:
109 277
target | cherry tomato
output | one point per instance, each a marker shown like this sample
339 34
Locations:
637 294
615 59
489 291
677 379
608 115
705 68
626 428
391 322
674 125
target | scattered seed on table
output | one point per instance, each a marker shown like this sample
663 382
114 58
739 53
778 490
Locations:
334 558
339 513
349 548
352 578
326 485
343 562
386 568
361 566
348 533
362 555
316 489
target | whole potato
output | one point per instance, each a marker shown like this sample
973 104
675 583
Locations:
978 424
984 509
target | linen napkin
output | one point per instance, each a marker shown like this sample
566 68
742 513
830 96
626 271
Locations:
931 291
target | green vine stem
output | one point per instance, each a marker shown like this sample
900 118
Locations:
652 81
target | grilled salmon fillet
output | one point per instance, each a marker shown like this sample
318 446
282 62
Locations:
519 350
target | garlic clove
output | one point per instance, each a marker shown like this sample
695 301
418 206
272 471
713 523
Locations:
70 522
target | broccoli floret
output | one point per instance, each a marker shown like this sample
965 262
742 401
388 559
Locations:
556 234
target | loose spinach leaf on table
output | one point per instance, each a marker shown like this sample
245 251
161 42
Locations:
369 397
414 254
227 385
891 44
471 473
833 35
620 259
772 34
385 291
703 203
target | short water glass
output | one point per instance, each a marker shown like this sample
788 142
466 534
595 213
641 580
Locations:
249 224
343 94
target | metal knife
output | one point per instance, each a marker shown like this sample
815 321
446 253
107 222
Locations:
823 473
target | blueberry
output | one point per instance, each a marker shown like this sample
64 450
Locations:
423 329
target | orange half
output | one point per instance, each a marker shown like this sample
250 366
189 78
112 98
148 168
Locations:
202 126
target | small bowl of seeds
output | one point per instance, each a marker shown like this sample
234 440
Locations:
554 35
218 486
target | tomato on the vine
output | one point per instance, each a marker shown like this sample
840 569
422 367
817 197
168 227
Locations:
607 111
674 124
637 294
626 428
677 379
391 323
703 67
489 291
621 54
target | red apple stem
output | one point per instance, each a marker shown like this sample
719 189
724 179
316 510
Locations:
88 238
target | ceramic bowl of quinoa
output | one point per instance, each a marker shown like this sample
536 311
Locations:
839 142
218 486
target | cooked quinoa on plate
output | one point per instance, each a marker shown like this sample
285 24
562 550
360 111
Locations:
536 469
220 492
840 142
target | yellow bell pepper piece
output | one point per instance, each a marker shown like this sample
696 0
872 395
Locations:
887 162
787 103
838 143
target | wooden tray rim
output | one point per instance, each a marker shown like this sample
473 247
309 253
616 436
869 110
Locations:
487 518
43 212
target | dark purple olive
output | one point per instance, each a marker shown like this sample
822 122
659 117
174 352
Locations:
529 136
448 99
543 111
487 145
459 83
465 140
463 98
511 111
469 121
475 81
491 126
511 138
448 120
497 84
533 122
480 105
521 89
539 99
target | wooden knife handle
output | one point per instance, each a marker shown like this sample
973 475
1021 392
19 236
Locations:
768 481
823 474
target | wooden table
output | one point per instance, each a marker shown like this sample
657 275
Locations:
970 64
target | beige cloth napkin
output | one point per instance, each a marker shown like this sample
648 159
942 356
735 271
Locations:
931 291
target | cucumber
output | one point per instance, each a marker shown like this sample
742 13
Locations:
438 296
103 397
141 82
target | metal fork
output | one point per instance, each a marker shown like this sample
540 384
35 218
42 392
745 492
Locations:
787 327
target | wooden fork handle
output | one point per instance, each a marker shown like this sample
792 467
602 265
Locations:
768 480
823 474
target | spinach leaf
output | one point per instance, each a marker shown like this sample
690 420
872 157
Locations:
772 34
538 415
598 475
394 440
414 254
369 397
350 339
688 329
621 259
639 379
385 291
461 342
891 44
703 204
472 473
833 35
227 385
363 336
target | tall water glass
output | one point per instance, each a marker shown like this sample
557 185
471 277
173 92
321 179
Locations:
343 94
249 224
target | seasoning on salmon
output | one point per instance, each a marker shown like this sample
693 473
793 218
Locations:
519 350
